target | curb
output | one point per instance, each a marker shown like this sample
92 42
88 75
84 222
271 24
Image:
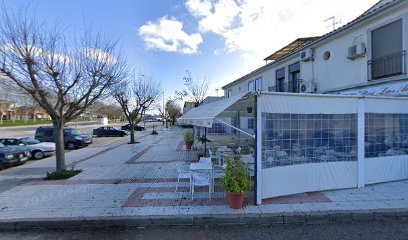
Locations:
207 220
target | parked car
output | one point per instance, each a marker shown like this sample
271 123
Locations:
13 155
37 149
137 127
73 138
108 132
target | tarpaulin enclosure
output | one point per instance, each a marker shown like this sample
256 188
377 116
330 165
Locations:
314 142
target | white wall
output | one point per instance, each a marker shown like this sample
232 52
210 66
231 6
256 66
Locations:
338 71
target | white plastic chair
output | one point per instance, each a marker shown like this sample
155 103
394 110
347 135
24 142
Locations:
205 160
201 178
183 172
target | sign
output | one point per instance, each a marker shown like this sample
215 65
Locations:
400 88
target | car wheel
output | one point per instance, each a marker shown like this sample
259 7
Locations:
70 145
38 155
2 167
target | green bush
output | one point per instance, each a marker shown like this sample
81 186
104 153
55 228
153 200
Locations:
65 174
236 179
189 136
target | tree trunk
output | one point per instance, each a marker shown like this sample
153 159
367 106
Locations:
132 133
59 145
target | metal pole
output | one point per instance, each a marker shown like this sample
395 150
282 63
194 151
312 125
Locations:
163 109
205 142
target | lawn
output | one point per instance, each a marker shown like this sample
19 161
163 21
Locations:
10 123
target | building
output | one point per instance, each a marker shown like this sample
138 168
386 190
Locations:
301 132
31 113
367 53
188 106
7 110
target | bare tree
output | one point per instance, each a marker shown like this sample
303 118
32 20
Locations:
195 91
64 79
135 95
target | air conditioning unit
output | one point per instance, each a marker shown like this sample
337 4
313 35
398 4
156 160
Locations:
307 87
357 50
306 55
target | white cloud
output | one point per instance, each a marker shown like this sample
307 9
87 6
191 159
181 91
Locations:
168 35
98 54
257 28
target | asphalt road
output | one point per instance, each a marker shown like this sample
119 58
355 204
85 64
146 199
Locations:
356 230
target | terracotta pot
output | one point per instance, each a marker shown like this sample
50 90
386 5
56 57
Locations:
236 200
188 145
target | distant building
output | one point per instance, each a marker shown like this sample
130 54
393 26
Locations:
7 111
31 113
187 106
211 99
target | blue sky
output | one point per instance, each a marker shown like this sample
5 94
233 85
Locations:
217 39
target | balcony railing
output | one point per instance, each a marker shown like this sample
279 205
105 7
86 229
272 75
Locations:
286 87
387 66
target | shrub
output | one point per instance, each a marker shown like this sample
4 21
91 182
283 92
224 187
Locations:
236 179
65 174
189 136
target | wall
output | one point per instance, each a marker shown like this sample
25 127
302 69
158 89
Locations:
337 72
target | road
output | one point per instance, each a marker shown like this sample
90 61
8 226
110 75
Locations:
357 230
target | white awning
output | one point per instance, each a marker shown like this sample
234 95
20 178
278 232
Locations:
204 115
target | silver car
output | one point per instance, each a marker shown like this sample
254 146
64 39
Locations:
38 149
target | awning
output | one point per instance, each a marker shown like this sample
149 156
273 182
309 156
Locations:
204 115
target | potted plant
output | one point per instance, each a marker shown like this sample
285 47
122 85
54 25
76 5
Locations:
189 138
235 182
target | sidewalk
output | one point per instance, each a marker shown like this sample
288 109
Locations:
134 185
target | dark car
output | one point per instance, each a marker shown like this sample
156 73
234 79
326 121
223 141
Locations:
15 155
72 137
108 132
137 128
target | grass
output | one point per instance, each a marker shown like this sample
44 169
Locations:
10 123
62 175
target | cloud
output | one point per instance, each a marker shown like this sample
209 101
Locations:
260 27
168 35
98 54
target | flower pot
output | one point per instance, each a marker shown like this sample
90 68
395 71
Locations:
236 200
188 145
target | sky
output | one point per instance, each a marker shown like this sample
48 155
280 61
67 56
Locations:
216 40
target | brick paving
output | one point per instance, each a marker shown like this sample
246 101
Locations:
122 179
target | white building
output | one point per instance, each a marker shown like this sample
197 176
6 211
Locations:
329 141
368 52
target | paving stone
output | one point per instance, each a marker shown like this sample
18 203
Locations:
317 217
215 219
385 214
340 216
297 217
362 215
271 218
250 219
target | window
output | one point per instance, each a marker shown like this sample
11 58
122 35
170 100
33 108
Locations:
258 85
280 80
251 86
251 123
387 52
229 93
294 77
48 133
